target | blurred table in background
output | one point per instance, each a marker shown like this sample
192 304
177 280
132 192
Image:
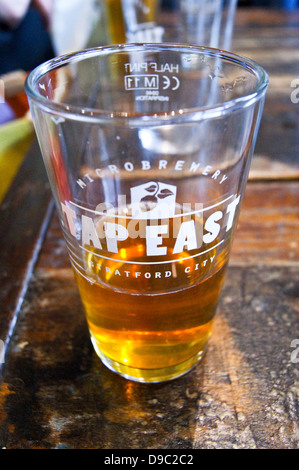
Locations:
54 391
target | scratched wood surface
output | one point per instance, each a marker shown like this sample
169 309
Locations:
54 391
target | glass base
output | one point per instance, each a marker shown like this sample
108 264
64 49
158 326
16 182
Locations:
149 375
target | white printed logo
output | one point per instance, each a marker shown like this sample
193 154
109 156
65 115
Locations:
153 200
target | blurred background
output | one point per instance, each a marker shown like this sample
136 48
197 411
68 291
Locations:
33 31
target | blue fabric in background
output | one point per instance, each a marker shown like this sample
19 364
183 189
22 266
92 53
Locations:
26 46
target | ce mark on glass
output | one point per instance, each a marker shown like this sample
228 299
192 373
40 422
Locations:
151 82
172 83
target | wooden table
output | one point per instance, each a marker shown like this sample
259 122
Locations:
54 391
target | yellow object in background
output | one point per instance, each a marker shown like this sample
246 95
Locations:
116 23
15 135
15 140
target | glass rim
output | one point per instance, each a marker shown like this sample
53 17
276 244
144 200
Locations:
76 112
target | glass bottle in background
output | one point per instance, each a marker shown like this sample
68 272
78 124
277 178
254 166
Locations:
206 22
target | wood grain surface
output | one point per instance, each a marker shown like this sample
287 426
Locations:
271 38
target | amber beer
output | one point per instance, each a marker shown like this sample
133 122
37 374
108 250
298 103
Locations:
151 319
116 25
149 129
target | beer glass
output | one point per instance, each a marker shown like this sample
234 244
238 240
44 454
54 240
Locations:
147 149
204 22
200 22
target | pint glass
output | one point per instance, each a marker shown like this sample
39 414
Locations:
200 22
204 22
147 149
